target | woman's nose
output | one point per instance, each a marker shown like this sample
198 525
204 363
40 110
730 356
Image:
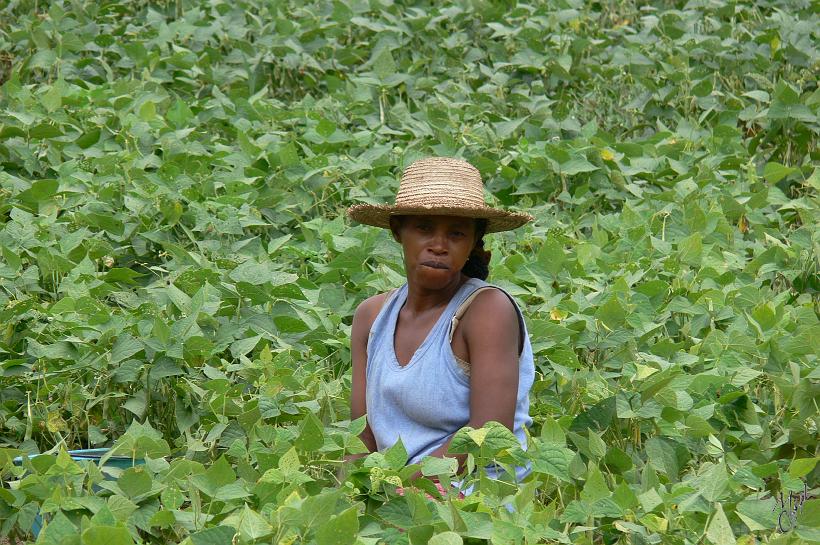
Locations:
438 242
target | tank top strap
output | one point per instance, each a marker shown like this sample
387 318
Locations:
468 298
462 309
383 316
441 328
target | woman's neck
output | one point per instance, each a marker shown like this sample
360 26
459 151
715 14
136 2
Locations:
421 299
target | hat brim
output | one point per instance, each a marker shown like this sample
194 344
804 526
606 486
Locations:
378 215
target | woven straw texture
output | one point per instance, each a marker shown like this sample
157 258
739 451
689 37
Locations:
439 186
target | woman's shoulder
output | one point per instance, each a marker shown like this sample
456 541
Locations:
492 313
490 299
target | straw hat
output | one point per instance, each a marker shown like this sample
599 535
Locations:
439 186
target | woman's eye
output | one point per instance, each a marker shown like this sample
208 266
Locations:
458 233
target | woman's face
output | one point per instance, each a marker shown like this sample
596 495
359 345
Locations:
435 247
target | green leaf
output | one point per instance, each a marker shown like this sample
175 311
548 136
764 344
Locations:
340 529
124 347
383 64
611 314
598 417
786 104
218 535
256 274
162 519
809 513
316 510
122 508
311 435
551 459
59 531
617 459
358 425
774 172
548 333
691 249
41 190
134 481
551 256
53 98
179 114
325 128
498 438
596 445
552 432
218 475
662 455
650 500
172 498
110 535
137 403
624 497
58 350
165 368
504 129
702 88
446 538
761 96
577 165
288 156
42 59
802 466
243 346
657 382
252 525
104 517
719 531
714 482
757 514
433 466
12 260
290 461
595 486
396 455
478 435
576 511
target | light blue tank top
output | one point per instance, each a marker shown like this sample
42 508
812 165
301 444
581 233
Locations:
428 400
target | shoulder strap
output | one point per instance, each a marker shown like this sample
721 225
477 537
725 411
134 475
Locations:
466 303
389 293
384 302
462 309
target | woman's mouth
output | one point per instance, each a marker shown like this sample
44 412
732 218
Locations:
435 265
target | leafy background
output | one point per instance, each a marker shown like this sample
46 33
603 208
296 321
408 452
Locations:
177 277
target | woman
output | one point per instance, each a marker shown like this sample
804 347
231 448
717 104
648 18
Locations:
419 372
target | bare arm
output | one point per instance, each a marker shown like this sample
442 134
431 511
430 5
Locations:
492 335
362 321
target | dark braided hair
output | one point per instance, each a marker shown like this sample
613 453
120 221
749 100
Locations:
478 264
